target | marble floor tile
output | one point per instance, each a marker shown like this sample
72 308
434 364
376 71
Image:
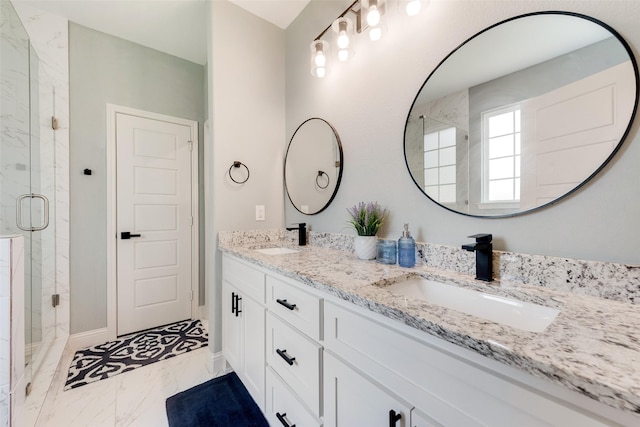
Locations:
135 398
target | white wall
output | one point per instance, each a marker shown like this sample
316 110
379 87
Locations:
246 113
367 100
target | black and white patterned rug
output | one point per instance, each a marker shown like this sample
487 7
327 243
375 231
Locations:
134 351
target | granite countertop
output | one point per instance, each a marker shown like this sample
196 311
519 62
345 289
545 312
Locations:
592 347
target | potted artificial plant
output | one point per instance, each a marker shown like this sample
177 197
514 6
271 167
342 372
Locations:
366 219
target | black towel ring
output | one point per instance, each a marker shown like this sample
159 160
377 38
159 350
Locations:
237 164
320 173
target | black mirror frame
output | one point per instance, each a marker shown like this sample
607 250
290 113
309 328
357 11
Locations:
607 160
284 171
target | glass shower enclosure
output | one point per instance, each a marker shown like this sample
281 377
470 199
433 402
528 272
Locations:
27 179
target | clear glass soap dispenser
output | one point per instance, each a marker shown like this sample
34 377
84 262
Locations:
406 249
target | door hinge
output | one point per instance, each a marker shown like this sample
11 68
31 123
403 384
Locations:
192 221
192 295
54 123
55 300
27 389
190 145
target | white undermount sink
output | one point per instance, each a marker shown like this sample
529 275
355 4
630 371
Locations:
517 314
277 251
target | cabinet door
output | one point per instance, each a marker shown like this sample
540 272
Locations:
351 399
253 342
420 419
231 327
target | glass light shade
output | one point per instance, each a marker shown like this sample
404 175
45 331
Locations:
375 33
413 7
319 55
343 40
320 60
343 54
343 30
373 17
372 11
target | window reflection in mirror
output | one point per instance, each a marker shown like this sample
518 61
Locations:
538 105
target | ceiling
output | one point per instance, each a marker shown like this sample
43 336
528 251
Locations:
176 27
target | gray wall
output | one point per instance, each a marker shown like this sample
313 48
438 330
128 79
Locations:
105 69
246 80
368 99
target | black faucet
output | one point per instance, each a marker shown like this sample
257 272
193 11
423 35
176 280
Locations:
302 233
484 256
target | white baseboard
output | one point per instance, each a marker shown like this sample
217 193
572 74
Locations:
217 362
203 312
88 338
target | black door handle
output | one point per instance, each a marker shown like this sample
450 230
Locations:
283 354
125 235
283 421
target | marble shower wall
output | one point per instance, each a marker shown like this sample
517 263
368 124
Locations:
12 369
49 36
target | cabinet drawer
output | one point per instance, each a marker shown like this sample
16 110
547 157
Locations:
294 305
296 359
282 404
243 276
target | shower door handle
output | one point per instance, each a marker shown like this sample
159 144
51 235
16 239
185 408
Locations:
45 222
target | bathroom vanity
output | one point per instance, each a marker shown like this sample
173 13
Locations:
318 338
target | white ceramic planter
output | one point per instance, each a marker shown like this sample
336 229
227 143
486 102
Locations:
365 247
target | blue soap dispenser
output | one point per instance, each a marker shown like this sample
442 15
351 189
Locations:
406 249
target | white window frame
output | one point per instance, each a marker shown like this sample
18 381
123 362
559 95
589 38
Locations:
439 150
485 202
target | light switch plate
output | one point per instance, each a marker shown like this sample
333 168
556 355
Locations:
260 212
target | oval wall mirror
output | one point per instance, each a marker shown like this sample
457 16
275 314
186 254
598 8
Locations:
521 114
313 166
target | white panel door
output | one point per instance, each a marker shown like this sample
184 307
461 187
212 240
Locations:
153 205
569 132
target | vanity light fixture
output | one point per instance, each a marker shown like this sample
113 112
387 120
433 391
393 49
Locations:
373 13
319 53
343 30
361 16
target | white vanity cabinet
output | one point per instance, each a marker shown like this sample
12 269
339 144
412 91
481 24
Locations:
444 384
243 324
311 359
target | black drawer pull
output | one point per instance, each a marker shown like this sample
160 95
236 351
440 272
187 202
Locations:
283 354
286 304
394 418
283 421
235 299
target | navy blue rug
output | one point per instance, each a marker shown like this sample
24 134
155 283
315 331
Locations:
220 402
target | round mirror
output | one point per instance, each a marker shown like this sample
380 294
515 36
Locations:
521 114
313 166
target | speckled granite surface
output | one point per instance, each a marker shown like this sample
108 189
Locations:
592 347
